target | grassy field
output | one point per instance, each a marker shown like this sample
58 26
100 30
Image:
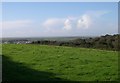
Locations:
41 62
0 62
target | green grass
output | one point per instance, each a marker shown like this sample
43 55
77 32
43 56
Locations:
0 62
41 62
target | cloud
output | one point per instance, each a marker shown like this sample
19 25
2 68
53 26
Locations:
97 14
67 24
84 22
53 22
11 28
89 18
58 23
15 24
90 22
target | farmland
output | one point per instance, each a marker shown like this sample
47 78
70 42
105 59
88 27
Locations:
27 62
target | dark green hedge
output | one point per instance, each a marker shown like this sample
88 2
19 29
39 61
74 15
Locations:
108 42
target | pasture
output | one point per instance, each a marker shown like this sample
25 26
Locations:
26 62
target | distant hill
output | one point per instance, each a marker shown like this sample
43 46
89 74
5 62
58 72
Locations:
109 42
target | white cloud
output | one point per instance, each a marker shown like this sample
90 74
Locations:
11 28
89 19
87 23
53 22
97 14
15 24
58 23
84 22
67 24
91 22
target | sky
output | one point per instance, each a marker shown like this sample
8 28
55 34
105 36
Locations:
53 19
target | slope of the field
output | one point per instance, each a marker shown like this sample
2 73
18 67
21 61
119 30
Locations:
40 62
0 62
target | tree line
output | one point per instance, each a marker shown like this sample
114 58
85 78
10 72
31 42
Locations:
108 42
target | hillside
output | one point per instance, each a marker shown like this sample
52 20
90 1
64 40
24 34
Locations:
106 42
26 62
